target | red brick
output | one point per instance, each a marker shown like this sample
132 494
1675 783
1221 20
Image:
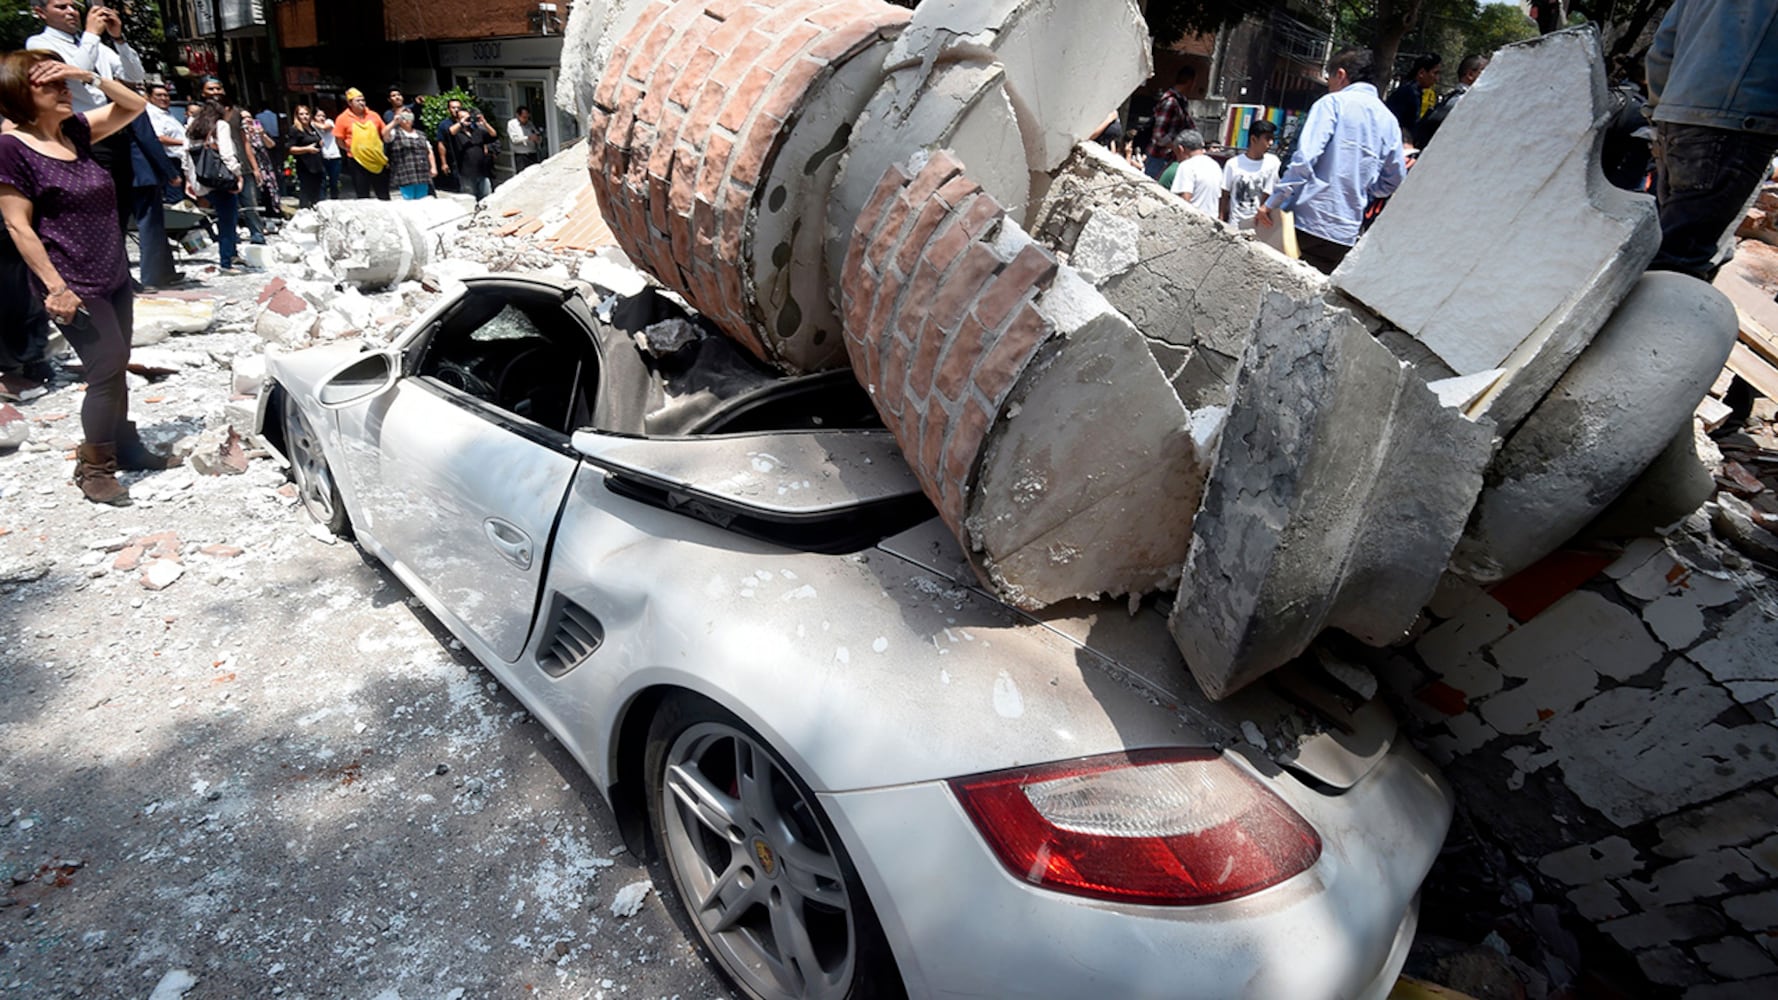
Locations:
940 168
748 164
731 212
866 226
958 362
1030 271
693 73
928 343
968 431
791 42
703 112
789 88
838 15
1010 354
917 300
713 166
919 235
642 44
931 456
979 219
891 398
734 26
836 45
956 190
947 244
887 299
963 286
703 227
744 98
883 246
723 9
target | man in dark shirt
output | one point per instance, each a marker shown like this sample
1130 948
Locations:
447 157
1415 98
1171 117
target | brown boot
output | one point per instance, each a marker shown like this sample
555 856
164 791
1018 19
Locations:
95 472
134 456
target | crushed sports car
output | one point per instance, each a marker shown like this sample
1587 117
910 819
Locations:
854 773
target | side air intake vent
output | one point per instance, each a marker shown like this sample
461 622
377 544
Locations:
574 634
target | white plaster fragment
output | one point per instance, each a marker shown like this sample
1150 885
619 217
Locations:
1462 390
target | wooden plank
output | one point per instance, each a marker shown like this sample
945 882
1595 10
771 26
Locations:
1757 373
1755 335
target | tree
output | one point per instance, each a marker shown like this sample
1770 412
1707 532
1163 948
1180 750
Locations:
17 23
1170 20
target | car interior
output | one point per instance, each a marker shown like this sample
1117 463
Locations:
519 352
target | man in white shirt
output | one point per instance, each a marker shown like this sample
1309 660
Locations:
1198 179
1248 179
166 127
522 135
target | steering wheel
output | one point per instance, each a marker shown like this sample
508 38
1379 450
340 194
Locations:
460 377
512 387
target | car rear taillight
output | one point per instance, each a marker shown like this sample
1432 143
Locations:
1158 827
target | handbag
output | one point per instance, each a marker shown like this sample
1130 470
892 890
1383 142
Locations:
210 170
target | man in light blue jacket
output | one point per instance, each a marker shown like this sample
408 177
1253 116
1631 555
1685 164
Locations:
1348 154
1713 80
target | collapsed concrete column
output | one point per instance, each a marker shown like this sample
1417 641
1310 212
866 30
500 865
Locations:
1029 409
694 112
1616 408
373 244
1506 248
1191 285
1339 488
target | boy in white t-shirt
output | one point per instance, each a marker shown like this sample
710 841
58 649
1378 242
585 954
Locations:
1248 179
1198 179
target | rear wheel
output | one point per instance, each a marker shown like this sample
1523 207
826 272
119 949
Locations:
308 467
754 865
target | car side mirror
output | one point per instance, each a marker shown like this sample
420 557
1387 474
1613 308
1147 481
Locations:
358 379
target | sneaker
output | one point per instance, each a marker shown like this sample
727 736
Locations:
16 388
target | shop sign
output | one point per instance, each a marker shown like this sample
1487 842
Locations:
502 52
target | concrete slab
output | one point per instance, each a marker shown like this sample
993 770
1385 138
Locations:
1188 282
1540 247
1332 447
1626 398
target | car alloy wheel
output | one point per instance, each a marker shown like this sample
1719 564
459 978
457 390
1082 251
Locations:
308 467
755 864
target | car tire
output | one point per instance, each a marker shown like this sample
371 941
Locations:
315 485
745 857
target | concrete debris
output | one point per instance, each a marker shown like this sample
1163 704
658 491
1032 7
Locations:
374 245
1617 407
158 317
161 574
219 452
1567 243
247 374
175 984
628 901
669 338
1738 522
285 317
1331 446
15 430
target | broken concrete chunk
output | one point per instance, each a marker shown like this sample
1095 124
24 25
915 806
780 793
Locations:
1031 412
1339 488
375 244
1617 407
156 318
1548 247
1067 62
14 428
1190 282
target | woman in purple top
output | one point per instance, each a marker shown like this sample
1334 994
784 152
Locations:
60 208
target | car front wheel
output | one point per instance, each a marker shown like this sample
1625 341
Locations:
308 467
755 866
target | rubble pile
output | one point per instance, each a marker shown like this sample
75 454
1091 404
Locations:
774 163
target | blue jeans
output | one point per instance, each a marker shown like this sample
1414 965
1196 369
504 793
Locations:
481 187
1703 176
228 216
333 176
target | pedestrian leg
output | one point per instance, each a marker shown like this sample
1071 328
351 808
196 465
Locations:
151 232
1704 176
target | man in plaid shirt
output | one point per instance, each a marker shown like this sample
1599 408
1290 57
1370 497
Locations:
1171 117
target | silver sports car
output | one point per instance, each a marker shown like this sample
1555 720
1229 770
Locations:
854 773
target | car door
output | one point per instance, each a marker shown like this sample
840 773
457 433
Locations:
460 493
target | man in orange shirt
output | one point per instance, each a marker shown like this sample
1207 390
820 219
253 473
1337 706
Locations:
360 134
